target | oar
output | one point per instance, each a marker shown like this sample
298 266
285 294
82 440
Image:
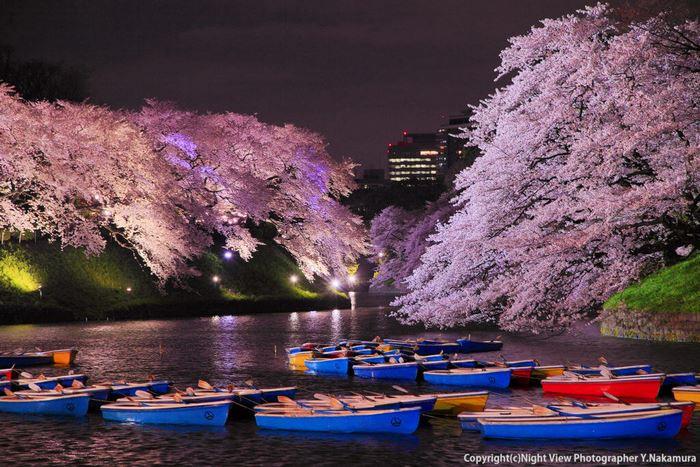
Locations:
336 404
144 394
34 387
615 398
287 400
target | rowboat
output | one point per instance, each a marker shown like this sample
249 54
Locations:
369 359
521 375
484 377
209 413
547 371
48 382
63 356
408 371
654 424
70 405
297 359
123 389
678 379
469 420
425 403
638 388
26 359
328 366
456 402
399 421
615 370
687 393
101 393
467 345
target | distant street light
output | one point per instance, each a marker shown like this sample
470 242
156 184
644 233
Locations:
216 279
293 278
128 290
228 254
335 283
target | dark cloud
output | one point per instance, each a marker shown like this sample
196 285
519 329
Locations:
358 72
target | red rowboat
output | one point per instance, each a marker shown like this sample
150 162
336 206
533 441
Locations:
633 388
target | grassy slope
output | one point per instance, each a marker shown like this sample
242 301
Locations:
39 276
676 288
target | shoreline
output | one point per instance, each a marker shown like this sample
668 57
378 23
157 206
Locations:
11 314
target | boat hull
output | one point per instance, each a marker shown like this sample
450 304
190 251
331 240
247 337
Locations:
637 389
64 356
688 394
470 346
453 404
678 379
71 406
397 371
21 361
328 366
401 421
617 371
206 414
491 378
664 424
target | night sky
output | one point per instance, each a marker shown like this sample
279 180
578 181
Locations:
359 72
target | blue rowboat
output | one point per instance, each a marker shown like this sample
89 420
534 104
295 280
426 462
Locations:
630 370
431 348
370 359
365 351
471 346
328 366
433 365
129 389
678 379
28 359
400 421
655 424
100 393
69 405
408 371
48 383
470 363
209 413
466 377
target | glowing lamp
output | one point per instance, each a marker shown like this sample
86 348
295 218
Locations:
293 278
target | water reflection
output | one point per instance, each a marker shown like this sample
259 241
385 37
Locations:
232 349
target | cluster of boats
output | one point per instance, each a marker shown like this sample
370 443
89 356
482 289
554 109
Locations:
630 408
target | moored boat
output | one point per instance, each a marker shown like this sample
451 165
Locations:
467 377
687 393
48 382
209 413
403 371
64 356
69 405
615 370
452 403
297 359
540 372
21 360
678 379
469 420
467 345
328 366
400 421
654 424
123 388
629 388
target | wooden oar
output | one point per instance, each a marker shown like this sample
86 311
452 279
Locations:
335 404
615 398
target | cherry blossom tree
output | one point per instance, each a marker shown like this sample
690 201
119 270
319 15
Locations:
589 178
164 182
400 237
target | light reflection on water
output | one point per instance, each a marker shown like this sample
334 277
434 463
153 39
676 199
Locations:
232 349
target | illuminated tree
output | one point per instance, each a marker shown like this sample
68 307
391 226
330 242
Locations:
589 177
